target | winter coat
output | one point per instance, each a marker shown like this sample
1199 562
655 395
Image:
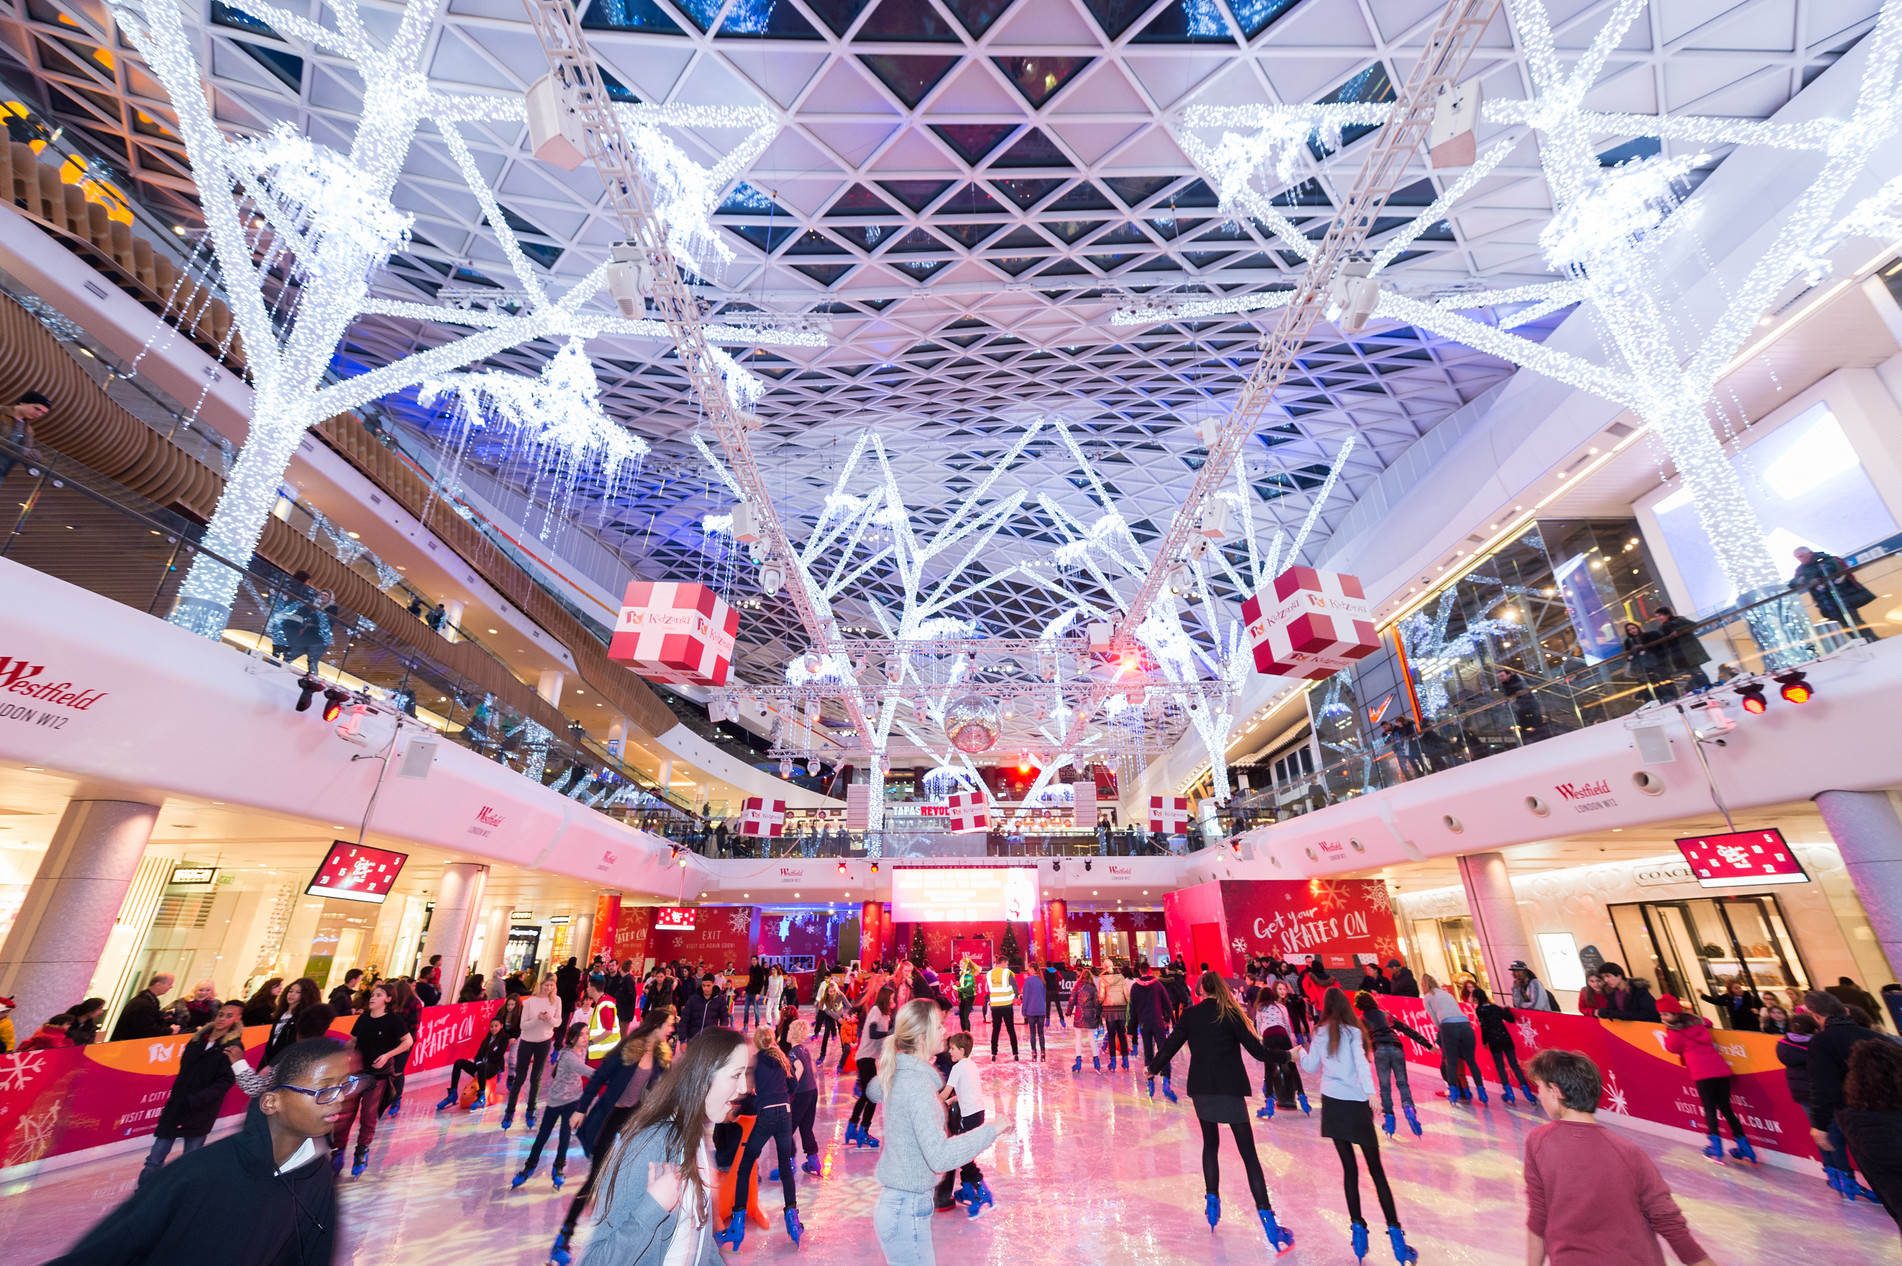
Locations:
1088 1012
1694 1044
1828 1065
1215 1043
204 1075
1638 1004
1036 1001
1793 1049
700 1013
632 1230
143 1017
1402 984
1493 1020
1741 1010
263 1218
1875 1140
608 1081
46 1038
1149 1006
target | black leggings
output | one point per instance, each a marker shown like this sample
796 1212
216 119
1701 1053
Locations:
1503 1055
1115 1037
1715 1092
481 1072
1003 1020
827 1028
805 1110
610 1130
1251 1163
1350 1181
862 1108
773 1123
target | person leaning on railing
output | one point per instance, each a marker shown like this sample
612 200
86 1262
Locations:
20 417
1839 596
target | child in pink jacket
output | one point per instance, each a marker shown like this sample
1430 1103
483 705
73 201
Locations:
1689 1037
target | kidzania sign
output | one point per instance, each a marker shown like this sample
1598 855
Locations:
1344 921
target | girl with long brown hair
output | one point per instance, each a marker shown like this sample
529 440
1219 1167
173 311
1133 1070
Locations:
773 1080
1338 1052
873 1030
613 1094
1217 1032
658 1201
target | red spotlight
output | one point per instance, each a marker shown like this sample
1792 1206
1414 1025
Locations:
1753 701
1796 688
334 699
841 868
1023 764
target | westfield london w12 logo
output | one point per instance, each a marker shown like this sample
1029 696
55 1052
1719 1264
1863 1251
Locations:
29 681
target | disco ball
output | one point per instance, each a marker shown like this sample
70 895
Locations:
971 724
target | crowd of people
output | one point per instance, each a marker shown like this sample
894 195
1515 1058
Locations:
653 1073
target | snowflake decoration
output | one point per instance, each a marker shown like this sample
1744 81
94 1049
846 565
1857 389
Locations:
1528 1034
1240 946
1385 948
17 1069
1614 1098
1328 894
785 928
741 920
1106 925
1375 893
33 1137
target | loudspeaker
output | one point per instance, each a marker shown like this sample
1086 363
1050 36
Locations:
554 125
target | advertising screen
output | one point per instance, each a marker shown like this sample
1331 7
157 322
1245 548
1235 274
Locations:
967 894
356 872
1747 857
674 918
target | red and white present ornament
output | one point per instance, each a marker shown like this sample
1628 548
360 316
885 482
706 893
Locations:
1169 815
1309 624
760 816
968 811
674 631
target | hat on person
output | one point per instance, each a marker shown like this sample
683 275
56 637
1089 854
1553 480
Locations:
1667 1005
1394 962
1519 964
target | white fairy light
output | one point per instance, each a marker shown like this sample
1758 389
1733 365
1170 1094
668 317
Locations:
742 386
1617 211
685 194
555 419
342 226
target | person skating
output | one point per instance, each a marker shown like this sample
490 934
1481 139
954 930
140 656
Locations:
1216 1033
205 1074
1689 1038
1453 1031
873 1030
805 1098
1086 1013
1001 981
1280 1083
917 1147
1497 1038
964 1092
1339 1053
1149 1013
490 1055
1112 995
271 1172
657 1202
773 1082
1036 1004
381 1037
611 1098
566 1076
1390 1060
540 1013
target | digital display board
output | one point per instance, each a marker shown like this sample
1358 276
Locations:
1743 858
674 918
357 872
964 894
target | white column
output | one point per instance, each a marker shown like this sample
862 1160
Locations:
666 773
71 906
1496 920
452 623
495 938
458 897
549 687
1868 833
580 932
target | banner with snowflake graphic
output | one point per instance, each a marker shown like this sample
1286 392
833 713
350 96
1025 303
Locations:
1643 1082
1345 921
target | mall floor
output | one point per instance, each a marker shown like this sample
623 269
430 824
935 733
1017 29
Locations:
1096 1173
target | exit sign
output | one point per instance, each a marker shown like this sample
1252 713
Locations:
1742 859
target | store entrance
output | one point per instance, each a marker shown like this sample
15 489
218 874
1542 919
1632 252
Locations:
1692 948
1448 949
522 944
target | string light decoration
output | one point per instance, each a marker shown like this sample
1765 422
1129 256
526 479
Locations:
554 421
1618 238
281 199
685 194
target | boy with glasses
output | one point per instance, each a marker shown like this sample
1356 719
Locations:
272 1170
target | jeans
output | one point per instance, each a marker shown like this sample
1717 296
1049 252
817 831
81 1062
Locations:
155 1159
1150 1040
562 1113
749 1014
1714 1093
774 1123
1116 1036
1390 1064
1457 1054
1035 1023
1002 1019
1502 1056
361 1110
902 1222
535 1056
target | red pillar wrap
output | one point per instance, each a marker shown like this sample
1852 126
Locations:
1040 939
1057 929
607 922
871 932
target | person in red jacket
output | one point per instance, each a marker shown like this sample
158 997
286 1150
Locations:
50 1036
1689 1038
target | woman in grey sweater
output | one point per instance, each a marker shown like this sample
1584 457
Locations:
917 1149
661 1178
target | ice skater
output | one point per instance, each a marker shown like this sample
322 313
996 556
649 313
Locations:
805 1098
1085 1014
1217 1032
1454 1036
873 1031
565 1078
1280 1079
964 1091
1390 1059
773 1083
1689 1038
1339 1053
1497 1038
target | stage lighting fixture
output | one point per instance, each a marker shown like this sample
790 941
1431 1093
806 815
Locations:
334 699
841 868
1086 863
1796 687
1753 701
307 688
874 868
1056 865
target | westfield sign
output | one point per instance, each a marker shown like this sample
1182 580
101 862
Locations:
17 677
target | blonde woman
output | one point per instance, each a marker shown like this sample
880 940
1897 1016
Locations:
917 1149
540 1016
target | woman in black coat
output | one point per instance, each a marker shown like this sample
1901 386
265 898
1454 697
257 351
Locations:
204 1077
1217 1032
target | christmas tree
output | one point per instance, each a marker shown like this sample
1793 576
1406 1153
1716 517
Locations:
1008 950
918 945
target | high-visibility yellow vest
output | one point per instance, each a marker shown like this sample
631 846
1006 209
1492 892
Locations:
1003 987
604 1028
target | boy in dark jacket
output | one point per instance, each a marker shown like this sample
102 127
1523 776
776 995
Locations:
488 1061
273 1170
205 1074
1493 1020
